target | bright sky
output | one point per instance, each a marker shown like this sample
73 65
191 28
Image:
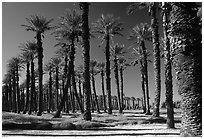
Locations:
14 14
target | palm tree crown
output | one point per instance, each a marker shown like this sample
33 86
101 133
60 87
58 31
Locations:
107 25
70 25
38 24
29 50
117 50
140 33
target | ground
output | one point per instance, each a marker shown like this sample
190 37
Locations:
130 123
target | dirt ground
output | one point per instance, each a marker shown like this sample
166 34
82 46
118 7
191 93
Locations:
130 123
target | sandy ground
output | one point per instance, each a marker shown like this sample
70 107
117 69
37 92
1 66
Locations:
131 123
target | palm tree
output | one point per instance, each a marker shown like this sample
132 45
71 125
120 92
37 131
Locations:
84 6
186 48
122 66
56 62
8 88
35 89
22 94
168 71
74 88
139 34
8 78
64 52
152 10
49 67
15 64
107 26
29 50
11 72
26 57
101 68
69 29
94 72
117 51
138 53
79 74
39 25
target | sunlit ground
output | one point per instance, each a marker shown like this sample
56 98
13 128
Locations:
131 123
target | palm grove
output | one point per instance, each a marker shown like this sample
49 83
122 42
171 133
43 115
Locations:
71 88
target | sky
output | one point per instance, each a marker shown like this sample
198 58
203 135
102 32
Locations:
13 34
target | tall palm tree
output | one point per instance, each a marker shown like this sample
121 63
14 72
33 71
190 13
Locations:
84 6
49 67
8 77
138 53
168 70
79 75
117 51
139 34
64 52
7 82
15 64
13 88
69 29
39 25
101 68
56 62
186 48
122 66
74 88
152 10
29 50
107 27
26 57
22 94
94 72
139 59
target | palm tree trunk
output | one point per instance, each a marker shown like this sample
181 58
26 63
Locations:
57 86
14 91
35 100
72 98
143 85
121 85
156 54
32 91
75 89
48 100
108 79
86 52
94 91
67 101
40 72
22 99
186 46
27 87
80 94
146 76
50 91
10 96
65 96
117 83
17 90
168 75
103 91
63 85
